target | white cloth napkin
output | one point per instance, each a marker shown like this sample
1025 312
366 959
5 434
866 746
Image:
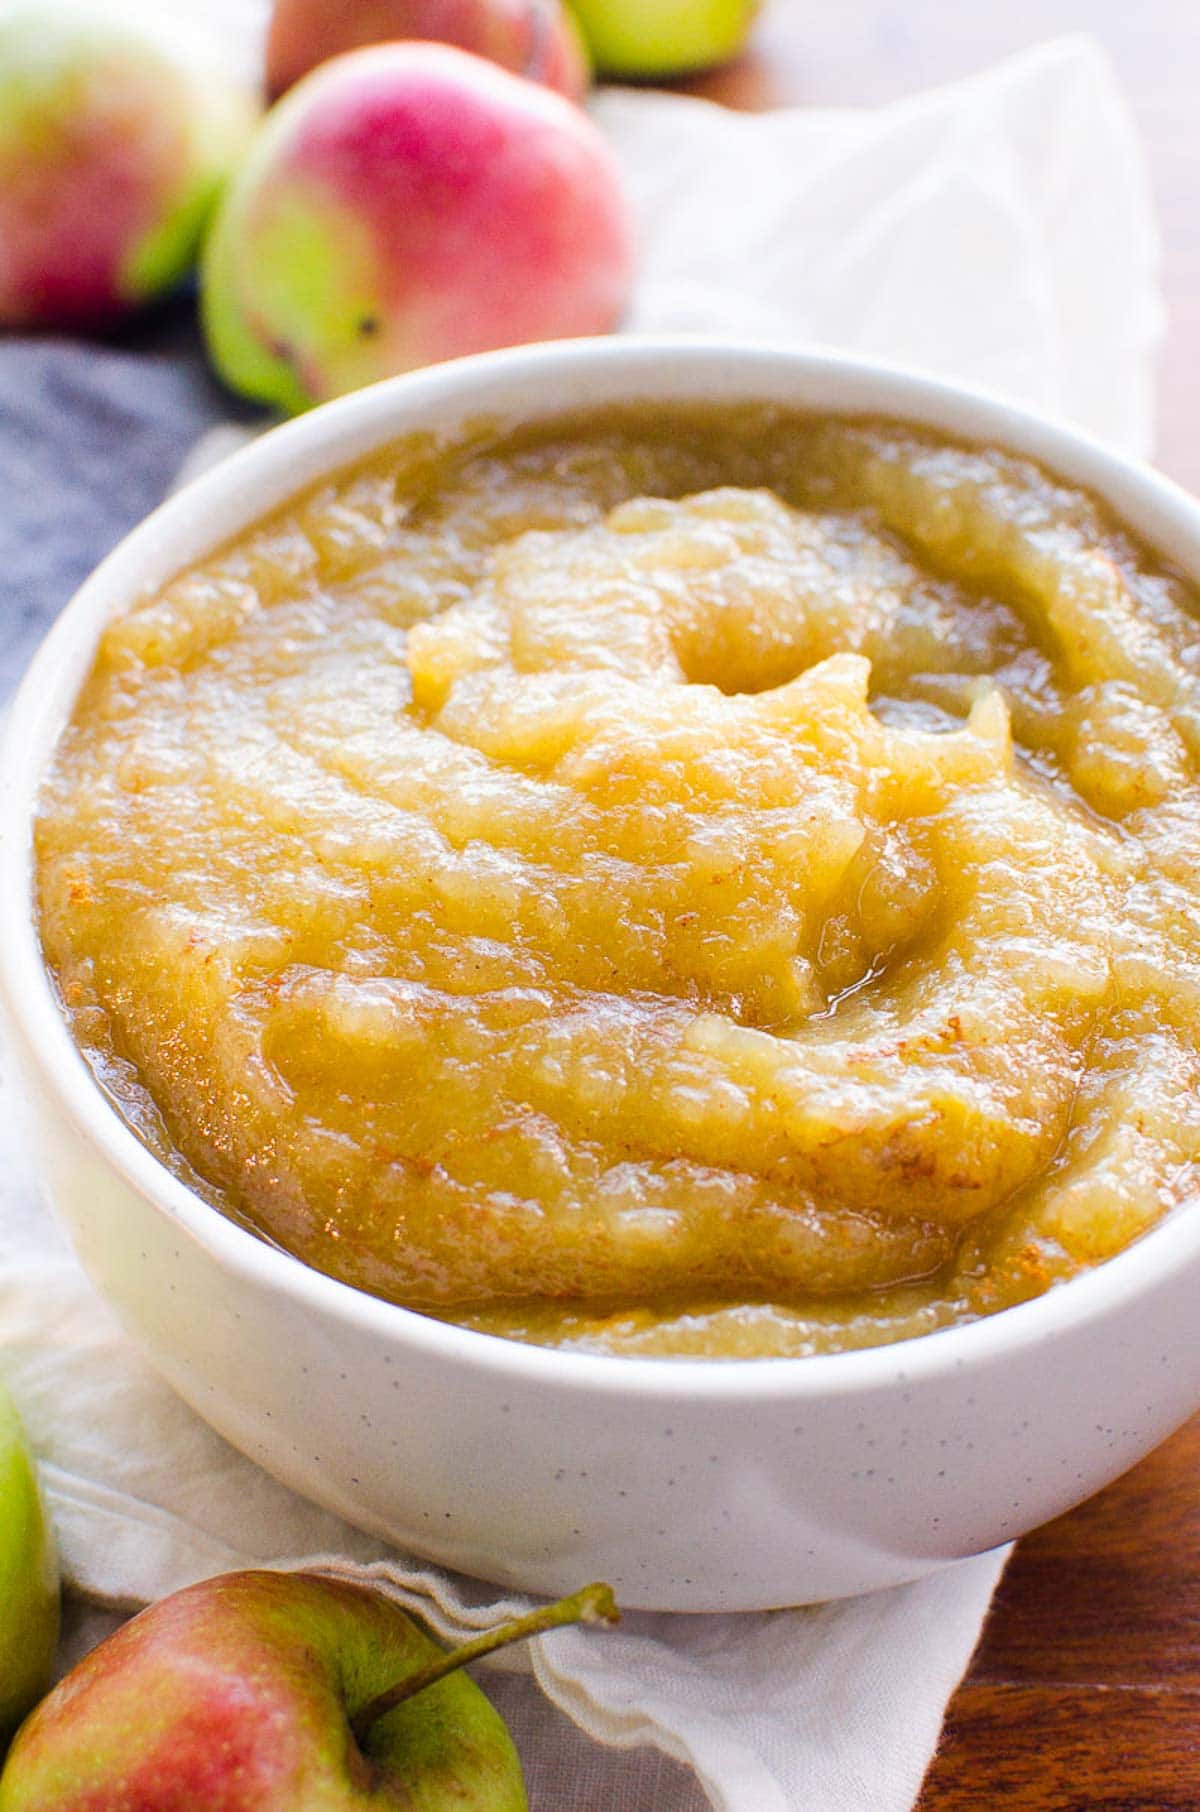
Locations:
998 231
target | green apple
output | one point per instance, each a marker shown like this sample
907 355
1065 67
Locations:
650 38
276 1692
28 1578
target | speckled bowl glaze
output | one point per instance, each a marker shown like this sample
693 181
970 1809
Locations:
690 1485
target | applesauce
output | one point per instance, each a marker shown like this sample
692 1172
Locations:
674 882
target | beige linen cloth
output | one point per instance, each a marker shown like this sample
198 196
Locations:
998 231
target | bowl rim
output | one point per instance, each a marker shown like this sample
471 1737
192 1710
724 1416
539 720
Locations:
1159 512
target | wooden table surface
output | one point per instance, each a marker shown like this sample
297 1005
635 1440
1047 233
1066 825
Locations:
1085 1692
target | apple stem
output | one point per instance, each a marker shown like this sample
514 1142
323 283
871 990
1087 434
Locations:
593 1604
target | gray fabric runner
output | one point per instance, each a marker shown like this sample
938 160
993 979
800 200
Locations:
91 437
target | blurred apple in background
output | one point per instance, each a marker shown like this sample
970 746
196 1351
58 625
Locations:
28 1579
534 38
404 204
276 1692
112 150
644 39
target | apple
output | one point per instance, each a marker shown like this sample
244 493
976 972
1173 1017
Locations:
652 38
404 204
534 38
276 1692
112 149
28 1578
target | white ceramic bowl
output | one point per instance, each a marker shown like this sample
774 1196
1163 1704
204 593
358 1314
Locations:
690 1485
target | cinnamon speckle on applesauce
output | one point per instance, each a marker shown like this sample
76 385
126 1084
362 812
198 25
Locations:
696 882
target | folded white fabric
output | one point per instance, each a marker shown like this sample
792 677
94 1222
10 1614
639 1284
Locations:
998 231
835 1708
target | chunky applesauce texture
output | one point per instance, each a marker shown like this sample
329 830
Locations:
679 882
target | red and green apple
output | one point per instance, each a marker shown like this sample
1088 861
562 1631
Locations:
408 203
276 1692
534 38
112 150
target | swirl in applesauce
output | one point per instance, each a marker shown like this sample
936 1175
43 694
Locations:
694 882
